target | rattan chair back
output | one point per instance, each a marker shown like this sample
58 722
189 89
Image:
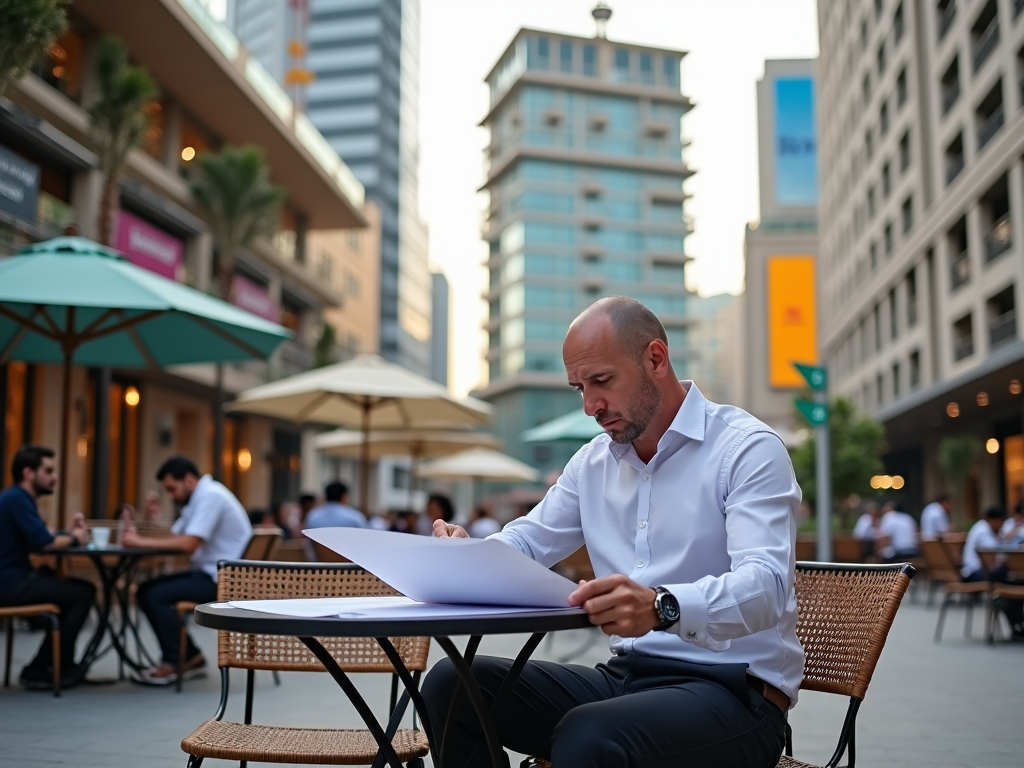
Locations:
844 613
247 580
262 544
938 558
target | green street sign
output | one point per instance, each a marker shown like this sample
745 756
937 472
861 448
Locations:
815 413
814 376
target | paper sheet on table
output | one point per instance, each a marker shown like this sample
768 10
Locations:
375 608
459 571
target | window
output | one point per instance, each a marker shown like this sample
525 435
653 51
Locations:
863 34
905 151
879 7
887 237
894 325
879 389
873 255
1002 317
911 298
907 214
963 337
647 68
876 317
671 69
565 55
886 181
954 158
589 60
946 10
622 65
865 90
895 381
950 85
897 24
871 203
539 53
989 116
869 144
901 87
883 118
995 219
984 35
880 58
915 369
959 263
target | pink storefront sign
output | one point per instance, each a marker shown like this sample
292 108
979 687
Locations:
148 247
249 296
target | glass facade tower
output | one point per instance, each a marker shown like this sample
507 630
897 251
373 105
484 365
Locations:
584 174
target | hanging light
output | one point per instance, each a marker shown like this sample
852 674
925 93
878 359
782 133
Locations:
131 397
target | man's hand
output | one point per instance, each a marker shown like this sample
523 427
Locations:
130 536
618 605
78 529
443 530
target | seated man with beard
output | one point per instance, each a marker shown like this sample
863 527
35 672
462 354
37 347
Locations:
687 509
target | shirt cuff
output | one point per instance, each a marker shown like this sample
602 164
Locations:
693 617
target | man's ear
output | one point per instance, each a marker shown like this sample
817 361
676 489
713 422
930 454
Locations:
657 356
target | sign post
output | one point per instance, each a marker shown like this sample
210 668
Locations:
816 413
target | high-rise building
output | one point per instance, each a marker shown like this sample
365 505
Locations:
779 297
922 256
585 174
439 329
364 99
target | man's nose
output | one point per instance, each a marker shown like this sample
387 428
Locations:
592 404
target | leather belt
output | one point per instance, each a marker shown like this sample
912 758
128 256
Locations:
769 692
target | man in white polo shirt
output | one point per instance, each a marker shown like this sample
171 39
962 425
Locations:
213 526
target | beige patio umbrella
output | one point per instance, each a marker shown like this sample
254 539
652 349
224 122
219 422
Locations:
479 464
366 393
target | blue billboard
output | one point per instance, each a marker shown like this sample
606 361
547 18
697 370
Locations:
796 146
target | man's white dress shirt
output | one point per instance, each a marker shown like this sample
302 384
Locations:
711 517
218 518
901 529
934 521
981 536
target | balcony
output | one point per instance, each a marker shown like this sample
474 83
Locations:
998 239
954 165
950 93
990 127
946 19
1002 328
962 349
985 44
959 270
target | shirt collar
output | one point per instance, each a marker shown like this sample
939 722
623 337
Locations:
688 422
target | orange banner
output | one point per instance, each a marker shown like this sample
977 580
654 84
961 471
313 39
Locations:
792 319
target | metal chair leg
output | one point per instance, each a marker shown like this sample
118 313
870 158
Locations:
969 619
277 677
942 617
9 632
182 650
55 642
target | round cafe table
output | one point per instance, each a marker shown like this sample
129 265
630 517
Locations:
117 568
226 618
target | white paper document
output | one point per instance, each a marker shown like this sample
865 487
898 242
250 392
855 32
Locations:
456 571
375 608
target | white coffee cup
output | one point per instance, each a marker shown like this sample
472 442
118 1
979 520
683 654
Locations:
101 537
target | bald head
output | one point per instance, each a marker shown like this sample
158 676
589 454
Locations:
633 325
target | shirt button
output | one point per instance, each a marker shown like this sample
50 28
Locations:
647 475
639 563
692 633
643 523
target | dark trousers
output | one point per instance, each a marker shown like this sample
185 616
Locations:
157 598
1012 609
74 597
637 711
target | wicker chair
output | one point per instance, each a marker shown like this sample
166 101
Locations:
942 569
48 611
261 547
1014 591
242 580
844 613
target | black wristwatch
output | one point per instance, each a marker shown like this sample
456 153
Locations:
74 539
667 608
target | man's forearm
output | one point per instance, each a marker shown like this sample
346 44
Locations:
184 544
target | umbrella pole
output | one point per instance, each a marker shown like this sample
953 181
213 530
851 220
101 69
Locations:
364 462
62 493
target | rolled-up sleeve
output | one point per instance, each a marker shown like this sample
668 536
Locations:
552 530
760 498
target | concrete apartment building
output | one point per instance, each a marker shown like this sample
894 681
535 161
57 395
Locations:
584 174
364 99
779 301
211 94
922 214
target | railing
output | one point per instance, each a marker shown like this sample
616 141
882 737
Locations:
1002 328
947 18
991 126
985 44
963 349
953 167
959 270
999 238
950 93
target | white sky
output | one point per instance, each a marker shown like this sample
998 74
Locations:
727 40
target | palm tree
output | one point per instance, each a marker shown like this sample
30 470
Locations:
233 188
27 27
119 121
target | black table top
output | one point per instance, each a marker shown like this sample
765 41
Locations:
254 622
114 551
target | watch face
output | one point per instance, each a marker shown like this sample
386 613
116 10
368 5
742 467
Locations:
668 607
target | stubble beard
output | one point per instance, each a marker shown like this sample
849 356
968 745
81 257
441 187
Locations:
645 407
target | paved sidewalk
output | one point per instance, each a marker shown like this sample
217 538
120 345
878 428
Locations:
951 704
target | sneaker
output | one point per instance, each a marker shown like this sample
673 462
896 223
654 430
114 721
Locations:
38 679
165 674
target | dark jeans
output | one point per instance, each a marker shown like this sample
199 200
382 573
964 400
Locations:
637 711
74 597
157 597
1012 609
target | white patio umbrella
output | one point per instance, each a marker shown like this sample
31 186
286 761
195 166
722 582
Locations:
366 393
479 464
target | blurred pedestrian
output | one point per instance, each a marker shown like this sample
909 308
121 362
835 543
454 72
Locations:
482 524
867 532
403 521
335 512
935 517
439 507
1012 532
984 534
307 503
898 534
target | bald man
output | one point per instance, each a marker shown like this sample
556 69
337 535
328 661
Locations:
688 510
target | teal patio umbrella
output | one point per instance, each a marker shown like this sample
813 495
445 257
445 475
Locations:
575 426
74 302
